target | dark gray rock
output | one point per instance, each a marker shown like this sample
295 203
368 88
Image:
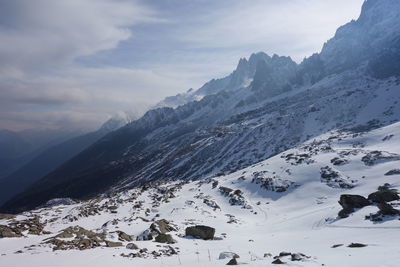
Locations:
351 202
384 194
200 231
232 262
387 209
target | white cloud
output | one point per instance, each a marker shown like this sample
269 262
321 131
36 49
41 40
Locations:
41 83
294 28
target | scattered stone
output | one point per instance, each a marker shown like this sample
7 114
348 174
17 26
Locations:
82 239
284 254
122 236
277 261
337 245
334 179
393 172
200 231
356 245
273 184
165 238
132 246
6 231
232 262
375 157
296 257
338 161
6 216
112 244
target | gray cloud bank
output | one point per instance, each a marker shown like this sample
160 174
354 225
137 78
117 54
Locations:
139 52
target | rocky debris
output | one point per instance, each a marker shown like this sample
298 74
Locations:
387 209
6 216
162 226
122 236
79 238
165 238
228 255
146 235
273 184
158 227
6 231
296 256
393 172
284 254
236 197
232 262
211 203
277 261
334 179
145 253
351 202
337 245
356 245
225 190
200 231
296 159
112 244
32 225
214 184
384 194
132 246
232 218
375 157
339 161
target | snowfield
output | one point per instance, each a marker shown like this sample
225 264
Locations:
287 203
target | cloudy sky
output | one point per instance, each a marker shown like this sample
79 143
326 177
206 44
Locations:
75 63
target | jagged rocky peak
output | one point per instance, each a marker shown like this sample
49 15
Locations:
273 75
372 36
117 121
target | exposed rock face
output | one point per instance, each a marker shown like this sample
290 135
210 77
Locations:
165 238
122 236
6 231
387 209
375 157
232 262
15 227
200 231
351 202
383 195
393 172
158 227
112 244
335 179
83 239
162 226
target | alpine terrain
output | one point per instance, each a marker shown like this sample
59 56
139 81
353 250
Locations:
276 163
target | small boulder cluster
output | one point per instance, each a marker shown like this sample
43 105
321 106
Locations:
380 198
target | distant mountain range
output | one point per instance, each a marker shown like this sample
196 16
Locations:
266 106
48 157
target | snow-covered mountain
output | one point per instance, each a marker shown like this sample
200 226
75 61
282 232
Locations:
281 210
266 106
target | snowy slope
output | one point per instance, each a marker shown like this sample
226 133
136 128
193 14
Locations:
285 205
